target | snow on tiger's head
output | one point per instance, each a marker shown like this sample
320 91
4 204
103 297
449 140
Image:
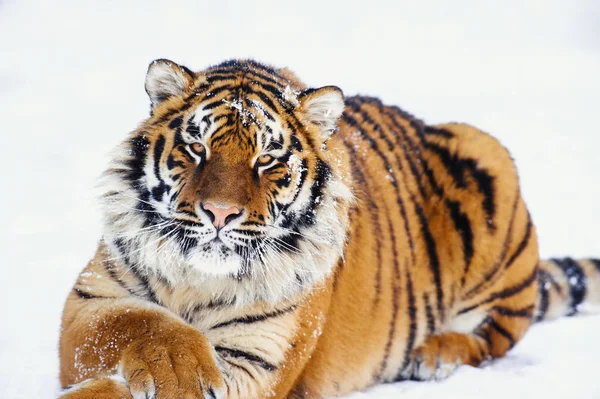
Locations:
230 182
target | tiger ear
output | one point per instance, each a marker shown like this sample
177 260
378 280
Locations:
323 107
165 79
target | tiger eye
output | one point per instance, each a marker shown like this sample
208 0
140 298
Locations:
265 159
198 148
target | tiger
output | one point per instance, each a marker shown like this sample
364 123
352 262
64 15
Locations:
265 239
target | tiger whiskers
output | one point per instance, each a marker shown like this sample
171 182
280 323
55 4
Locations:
303 235
147 244
132 233
167 238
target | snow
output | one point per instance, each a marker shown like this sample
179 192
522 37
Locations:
72 85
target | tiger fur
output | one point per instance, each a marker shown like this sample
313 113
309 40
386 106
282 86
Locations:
267 240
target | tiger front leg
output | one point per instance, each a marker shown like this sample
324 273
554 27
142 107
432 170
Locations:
157 355
173 362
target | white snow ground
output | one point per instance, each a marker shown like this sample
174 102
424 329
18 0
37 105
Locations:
71 86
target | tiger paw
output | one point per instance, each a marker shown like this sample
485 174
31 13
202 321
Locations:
173 362
440 355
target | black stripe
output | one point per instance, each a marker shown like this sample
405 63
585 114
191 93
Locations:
214 104
274 91
492 274
483 351
86 295
321 177
544 281
302 180
457 168
506 293
167 115
235 65
231 72
176 123
523 312
412 331
434 262
109 267
122 247
429 314
576 280
262 110
212 304
211 393
138 146
220 133
522 245
295 220
217 90
172 163
483 331
438 132
255 318
355 105
269 74
145 283
158 191
502 331
212 78
296 144
550 278
240 367
247 233
401 141
267 102
463 226
247 356
395 295
197 90
185 153
159 147
192 129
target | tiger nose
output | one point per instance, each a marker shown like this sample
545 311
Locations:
220 216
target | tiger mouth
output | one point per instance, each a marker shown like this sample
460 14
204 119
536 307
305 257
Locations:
216 245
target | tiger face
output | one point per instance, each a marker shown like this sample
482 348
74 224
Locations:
230 181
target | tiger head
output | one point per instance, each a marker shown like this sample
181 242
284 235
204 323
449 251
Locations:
230 184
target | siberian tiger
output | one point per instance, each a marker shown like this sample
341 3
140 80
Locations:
268 240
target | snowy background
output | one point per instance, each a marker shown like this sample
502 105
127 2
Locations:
71 87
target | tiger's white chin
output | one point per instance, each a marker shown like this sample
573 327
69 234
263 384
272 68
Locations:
217 261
